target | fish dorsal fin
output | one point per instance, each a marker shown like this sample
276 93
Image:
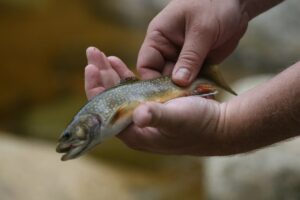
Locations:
124 81
213 73
122 112
130 79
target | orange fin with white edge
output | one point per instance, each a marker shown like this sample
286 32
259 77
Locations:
204 90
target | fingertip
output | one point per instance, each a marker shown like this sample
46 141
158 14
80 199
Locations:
182 76
114 59
120 67
96 57
92 50
116 62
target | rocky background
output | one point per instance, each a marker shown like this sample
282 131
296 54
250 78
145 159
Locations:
42 57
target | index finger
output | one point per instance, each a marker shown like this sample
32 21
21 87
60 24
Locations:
150 62
155 52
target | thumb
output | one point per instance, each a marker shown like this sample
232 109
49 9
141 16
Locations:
155 115
191 58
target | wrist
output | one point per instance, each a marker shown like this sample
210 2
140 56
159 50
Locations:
264 115
229 129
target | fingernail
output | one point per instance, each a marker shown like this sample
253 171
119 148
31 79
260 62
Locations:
182 74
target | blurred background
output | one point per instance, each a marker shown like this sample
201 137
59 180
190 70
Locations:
42 58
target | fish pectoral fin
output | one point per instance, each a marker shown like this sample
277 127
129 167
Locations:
129 80
123 111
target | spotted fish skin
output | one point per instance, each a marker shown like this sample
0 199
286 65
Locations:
110 112
141 91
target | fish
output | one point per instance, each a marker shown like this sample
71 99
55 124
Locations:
110 112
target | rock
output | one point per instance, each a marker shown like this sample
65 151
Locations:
32 170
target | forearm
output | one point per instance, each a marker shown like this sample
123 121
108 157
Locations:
256 7
266 114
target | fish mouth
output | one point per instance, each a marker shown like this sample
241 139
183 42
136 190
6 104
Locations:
72 149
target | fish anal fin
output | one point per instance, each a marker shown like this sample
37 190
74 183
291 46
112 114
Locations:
123 111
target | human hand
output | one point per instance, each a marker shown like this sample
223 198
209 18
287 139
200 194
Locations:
187 125
103 72
187 33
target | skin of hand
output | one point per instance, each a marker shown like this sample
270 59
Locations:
187 33
262 116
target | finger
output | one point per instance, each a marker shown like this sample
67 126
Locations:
120 67
158 116
155 51
97 58
91 75
191 58
91 81
150 62
93 92
107 76
168 68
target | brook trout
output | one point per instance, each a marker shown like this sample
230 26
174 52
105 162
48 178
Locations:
110 112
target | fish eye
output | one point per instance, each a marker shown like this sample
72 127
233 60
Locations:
66 135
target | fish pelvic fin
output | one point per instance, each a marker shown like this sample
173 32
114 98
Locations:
212 72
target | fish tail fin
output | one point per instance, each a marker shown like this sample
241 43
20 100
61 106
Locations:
213 73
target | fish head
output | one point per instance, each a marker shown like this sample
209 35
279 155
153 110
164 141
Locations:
80 136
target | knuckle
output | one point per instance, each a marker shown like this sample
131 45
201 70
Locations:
155 109
191 58
204 31
156 38
152 26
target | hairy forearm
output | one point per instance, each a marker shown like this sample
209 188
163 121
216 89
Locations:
266 114
256 7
